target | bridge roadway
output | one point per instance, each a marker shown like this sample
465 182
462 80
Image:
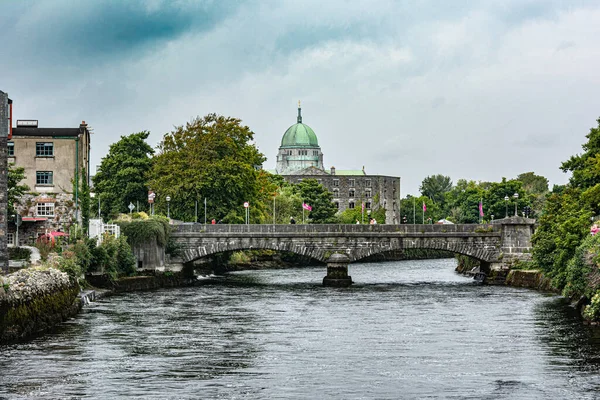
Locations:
483 242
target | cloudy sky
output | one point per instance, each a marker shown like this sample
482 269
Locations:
476 90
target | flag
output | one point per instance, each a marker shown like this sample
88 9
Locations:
363 206
424 207
306 207
480 209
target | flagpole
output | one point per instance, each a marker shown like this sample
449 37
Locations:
274 210
414 211
423 213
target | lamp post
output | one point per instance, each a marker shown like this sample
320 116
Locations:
505 206
168 207
516 196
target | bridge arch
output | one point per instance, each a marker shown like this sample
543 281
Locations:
355 250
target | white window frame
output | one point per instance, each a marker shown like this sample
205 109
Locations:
10 239
44 209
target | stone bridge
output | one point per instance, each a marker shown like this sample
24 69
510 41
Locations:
492 244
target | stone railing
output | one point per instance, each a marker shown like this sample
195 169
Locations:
339 228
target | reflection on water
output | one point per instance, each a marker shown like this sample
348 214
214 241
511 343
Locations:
409 329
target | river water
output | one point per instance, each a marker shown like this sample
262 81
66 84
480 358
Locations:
407 329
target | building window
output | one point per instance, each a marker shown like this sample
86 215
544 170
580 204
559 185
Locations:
320 181
337 205
368 205
367 182
336 192
45 209
368 194
299 180
44 149
336 182
351 182
44 178
11 149
10 239
351 193
351 205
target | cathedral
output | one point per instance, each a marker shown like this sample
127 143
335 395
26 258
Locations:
300 157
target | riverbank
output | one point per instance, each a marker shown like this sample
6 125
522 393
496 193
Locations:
35 300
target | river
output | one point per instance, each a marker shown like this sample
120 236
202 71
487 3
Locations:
406 329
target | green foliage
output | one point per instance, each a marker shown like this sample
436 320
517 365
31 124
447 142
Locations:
239 257
125 260
435 187
68 263
287 204
139 231
562 226
15 191
19 253
83 253
592 311
121 178
563 247
45 248
320 199
214 158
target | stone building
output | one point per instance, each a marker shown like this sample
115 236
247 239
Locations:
300 157
5 127
55 160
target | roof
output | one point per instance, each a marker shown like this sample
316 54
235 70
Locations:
349 172
299 134
46 131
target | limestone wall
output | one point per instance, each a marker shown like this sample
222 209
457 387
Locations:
35 300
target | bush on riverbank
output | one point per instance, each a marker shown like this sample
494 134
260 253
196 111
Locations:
113 257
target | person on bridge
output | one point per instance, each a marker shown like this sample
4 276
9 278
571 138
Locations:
357 223
292 220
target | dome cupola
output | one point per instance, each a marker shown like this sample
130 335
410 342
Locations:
299 148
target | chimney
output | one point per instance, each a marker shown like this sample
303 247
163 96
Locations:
332 170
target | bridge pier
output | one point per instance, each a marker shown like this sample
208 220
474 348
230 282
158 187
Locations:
337 271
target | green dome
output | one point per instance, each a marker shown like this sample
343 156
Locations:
299 135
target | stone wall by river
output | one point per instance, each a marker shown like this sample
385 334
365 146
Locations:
34 300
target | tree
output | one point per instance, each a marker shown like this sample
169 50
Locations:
565 220
214 158
320 199
537 187
122 176
435 186
15 191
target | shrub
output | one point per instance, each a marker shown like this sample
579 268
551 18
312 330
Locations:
19 253
592 311
125 258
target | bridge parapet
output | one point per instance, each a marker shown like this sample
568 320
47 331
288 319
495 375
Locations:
339 228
